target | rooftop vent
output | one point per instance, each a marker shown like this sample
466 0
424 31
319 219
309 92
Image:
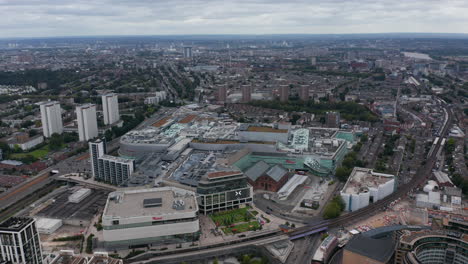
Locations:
152 202
178 205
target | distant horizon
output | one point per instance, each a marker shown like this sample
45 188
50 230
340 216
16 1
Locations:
52 18
400 34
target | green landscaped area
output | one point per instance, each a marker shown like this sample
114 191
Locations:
240 228
227 218
38 153
236 221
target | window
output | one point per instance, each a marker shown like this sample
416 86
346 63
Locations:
115 222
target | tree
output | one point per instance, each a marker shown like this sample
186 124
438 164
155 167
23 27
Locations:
245 259
334 208
342 173
55 142
32 132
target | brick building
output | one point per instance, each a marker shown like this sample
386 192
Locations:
263 177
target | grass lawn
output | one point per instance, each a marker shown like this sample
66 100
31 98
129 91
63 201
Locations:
226 218
240 228
38 153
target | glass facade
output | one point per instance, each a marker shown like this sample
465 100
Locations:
223 193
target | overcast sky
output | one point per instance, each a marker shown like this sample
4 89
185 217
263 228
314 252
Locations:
43 18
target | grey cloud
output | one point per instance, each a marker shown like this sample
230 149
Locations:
84 17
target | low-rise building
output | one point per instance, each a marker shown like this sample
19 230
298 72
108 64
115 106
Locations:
150 216
263 177
23 141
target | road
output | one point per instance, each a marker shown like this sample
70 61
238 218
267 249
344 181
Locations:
418 180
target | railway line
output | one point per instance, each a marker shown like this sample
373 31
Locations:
321 226
403 190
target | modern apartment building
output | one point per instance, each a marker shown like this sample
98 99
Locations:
110 108
51 117
97 149
106 168
87 122
19 242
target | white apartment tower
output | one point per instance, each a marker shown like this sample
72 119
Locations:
97 149
19 242
51 117
87 122
110 108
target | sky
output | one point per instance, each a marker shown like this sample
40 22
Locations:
48 18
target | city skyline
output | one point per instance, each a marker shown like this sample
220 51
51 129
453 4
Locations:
87 18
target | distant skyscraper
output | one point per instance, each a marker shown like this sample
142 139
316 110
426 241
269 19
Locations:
187 52
19 242
246 93
313 61
284 92
304 92
110 108
51 117
87 122
332 119
222 93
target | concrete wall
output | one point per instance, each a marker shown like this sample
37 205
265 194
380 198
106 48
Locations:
220 147
263 136
151 231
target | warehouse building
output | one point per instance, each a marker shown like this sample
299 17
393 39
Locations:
48 225
145 217
79 195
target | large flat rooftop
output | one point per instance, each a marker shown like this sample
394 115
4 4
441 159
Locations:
266 129
149 202
361 179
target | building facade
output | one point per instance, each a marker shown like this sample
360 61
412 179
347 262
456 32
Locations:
97 149
446 245
284 92
114 170
110 108
188 52
332 119
19 242
87 122
109 169
222 93
364 186
23 141
265 177
145 217
304 92
51 118
223 190
246 93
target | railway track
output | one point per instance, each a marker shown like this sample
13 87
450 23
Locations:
420 177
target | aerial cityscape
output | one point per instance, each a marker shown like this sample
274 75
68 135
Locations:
200 144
